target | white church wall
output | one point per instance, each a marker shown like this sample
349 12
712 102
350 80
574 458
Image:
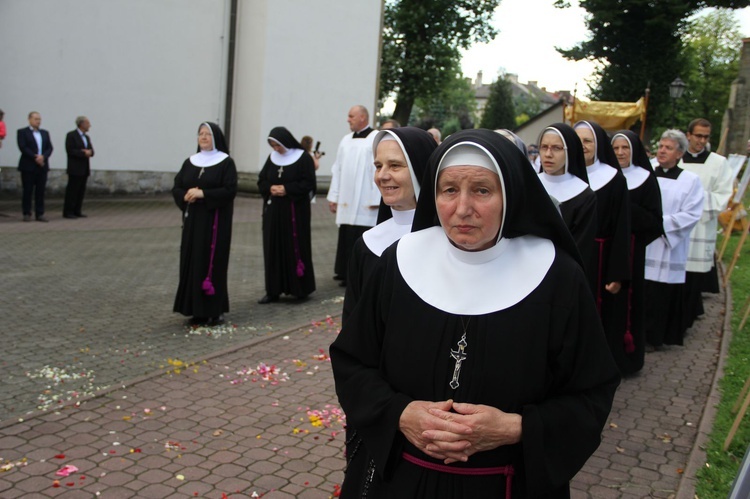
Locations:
145 73
311 61
148 72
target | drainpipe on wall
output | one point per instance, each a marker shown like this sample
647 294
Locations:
230 71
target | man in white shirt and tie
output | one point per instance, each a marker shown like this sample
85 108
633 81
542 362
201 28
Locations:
36 148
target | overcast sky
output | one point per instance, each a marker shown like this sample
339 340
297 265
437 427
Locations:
529 32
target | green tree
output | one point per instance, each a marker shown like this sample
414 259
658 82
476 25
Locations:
455 101
638 43
712 50
526 105
422 42
499 111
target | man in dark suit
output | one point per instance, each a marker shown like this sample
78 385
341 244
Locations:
36 148
79 149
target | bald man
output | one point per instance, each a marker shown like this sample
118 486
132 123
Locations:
353 196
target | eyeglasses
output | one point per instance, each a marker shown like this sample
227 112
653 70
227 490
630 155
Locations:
555 149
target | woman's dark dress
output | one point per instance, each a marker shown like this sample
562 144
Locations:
544 358
611 262
579 214
219 185
645 225
282 217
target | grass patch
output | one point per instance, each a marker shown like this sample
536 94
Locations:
715 479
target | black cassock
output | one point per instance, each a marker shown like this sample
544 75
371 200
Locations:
579 214
287 243
611 261
544 358
219 185
645 225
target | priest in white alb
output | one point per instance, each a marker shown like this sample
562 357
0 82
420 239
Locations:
716 178
666 257
353 195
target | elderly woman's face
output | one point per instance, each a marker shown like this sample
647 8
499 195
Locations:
622 151
392 176
205 139
470 206
588 141
552 154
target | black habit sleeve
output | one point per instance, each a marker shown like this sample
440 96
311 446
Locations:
300 185
361 263
618 266
646 211
179 189
580 215
223 195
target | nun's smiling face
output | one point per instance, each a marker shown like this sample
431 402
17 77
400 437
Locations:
552 154
392 176
622 151
588 142
469 203
205 139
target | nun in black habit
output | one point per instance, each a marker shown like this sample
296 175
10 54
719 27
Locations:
204 189
611 249
645 226
563 175
401 156
285 182
466 369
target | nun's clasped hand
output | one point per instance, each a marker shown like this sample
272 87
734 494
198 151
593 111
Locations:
454 431
193 194
278 190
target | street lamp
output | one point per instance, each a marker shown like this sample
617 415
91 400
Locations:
676 89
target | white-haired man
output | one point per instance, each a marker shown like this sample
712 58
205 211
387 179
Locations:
666 257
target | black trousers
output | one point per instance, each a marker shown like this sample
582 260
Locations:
74 192
34 184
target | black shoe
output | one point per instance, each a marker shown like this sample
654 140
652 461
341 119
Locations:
198 321
338 278
70 216
216 321
268 299
342 284
41 218
27 218
80 215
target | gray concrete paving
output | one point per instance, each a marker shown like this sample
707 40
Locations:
98 373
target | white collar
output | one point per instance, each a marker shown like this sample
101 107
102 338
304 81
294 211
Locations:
635 176
472 282
289 157
388 232
600 174
562 187
205 159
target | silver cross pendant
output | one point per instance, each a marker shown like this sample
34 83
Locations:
459 356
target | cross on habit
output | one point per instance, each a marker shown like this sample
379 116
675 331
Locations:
459 356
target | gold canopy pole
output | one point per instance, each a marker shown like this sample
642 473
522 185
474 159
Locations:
645 113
